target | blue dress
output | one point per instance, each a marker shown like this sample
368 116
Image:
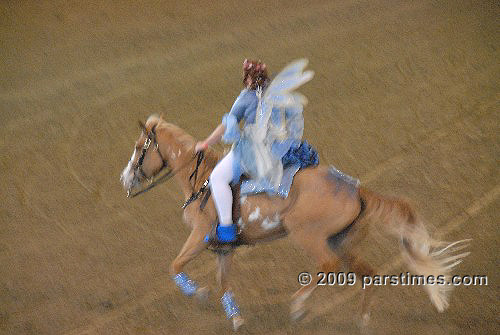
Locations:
269 148
291 119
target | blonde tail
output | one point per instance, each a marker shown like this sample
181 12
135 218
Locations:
425 256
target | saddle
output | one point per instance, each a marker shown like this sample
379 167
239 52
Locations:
296 158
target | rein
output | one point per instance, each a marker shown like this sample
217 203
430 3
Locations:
195 195
169 174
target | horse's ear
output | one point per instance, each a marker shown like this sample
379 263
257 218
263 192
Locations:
142 127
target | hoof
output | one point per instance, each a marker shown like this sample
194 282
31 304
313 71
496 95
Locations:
202 294
363 324
238 321
365 319
298 314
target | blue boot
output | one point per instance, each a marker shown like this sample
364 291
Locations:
227 234
222 235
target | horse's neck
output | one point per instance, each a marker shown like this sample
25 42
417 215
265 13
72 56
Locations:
186 168
182 161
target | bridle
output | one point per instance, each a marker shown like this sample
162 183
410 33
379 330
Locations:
151 139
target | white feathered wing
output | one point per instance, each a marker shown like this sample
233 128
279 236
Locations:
279 94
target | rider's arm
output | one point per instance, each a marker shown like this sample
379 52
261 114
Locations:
216 136
230 123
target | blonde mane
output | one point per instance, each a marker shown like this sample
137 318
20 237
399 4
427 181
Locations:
181 136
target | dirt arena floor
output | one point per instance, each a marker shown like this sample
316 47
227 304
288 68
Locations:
405 97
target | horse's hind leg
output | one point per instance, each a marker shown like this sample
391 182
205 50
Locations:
297 307
224 262
325 258
361 269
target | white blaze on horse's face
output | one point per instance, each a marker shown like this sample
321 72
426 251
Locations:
128 178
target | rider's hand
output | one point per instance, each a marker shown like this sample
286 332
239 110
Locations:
200 146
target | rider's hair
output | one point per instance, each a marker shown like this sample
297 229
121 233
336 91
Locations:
257 71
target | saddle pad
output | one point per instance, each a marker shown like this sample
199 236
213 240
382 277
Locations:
250 186
352 183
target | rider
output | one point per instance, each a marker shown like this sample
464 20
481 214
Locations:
231 167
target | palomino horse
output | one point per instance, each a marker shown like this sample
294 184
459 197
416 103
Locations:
328 231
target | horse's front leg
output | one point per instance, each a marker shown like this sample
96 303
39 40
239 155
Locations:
224 261
193 246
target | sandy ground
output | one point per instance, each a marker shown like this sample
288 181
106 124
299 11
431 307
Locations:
404 98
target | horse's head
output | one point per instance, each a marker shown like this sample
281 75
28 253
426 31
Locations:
146 161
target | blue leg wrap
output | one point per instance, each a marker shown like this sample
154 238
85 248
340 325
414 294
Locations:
187 286
230 306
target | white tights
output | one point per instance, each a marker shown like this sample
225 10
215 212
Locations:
221 191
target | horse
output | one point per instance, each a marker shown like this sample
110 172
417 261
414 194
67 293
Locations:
328 232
